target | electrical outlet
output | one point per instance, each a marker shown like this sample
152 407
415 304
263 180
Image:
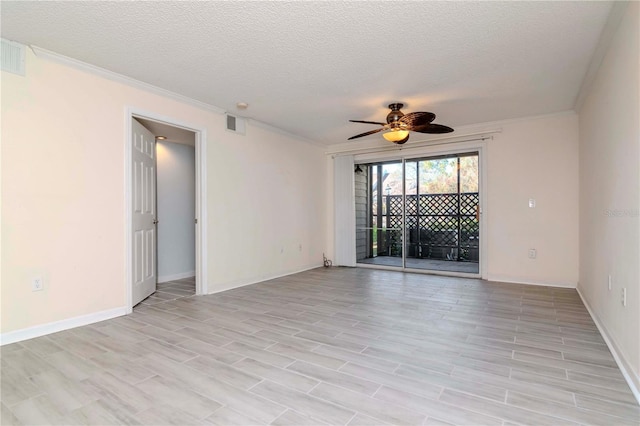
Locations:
624 296
532 203
300 247
532 253
609 282
37 284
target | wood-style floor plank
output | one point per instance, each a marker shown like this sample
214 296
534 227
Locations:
338 346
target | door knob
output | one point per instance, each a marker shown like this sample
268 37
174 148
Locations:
155 221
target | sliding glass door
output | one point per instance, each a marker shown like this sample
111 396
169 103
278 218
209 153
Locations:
420 213
379 214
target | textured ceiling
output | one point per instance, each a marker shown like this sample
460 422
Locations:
309 67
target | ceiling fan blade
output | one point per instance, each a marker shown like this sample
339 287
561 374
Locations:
367 133
414 119
432 128
367 122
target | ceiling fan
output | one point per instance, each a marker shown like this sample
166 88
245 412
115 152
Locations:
399 125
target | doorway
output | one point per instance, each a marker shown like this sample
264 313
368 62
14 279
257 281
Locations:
142 263
420 214
175 207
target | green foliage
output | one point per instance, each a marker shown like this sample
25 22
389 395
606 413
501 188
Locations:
435 176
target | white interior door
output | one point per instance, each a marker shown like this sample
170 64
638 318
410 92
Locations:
144 212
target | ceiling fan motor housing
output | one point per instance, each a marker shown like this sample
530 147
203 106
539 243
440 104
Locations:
395 113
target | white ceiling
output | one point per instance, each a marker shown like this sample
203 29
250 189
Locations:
309 67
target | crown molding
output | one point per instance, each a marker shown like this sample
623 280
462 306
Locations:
119 78
516 120
346 149
267 126
461 134
606 37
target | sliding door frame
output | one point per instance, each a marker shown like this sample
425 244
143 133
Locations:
434 151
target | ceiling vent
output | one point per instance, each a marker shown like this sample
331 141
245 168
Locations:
236 124
13 57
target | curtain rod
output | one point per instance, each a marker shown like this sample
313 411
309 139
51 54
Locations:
420 144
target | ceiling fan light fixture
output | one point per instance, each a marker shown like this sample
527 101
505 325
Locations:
395 135
398 125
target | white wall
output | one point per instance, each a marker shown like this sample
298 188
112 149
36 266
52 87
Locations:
266 208
610 193
176 198
63 195
534 157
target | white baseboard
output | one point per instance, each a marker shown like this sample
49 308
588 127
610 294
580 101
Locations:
633 379
230 285
54 327
513 280
173 277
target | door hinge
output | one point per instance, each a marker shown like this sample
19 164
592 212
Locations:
196 221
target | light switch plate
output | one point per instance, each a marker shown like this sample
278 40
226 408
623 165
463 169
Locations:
37 284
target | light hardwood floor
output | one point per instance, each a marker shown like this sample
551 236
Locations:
329 346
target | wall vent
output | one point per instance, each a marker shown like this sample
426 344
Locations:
12 57
236 124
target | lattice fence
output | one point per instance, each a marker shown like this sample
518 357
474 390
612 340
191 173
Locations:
440 226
